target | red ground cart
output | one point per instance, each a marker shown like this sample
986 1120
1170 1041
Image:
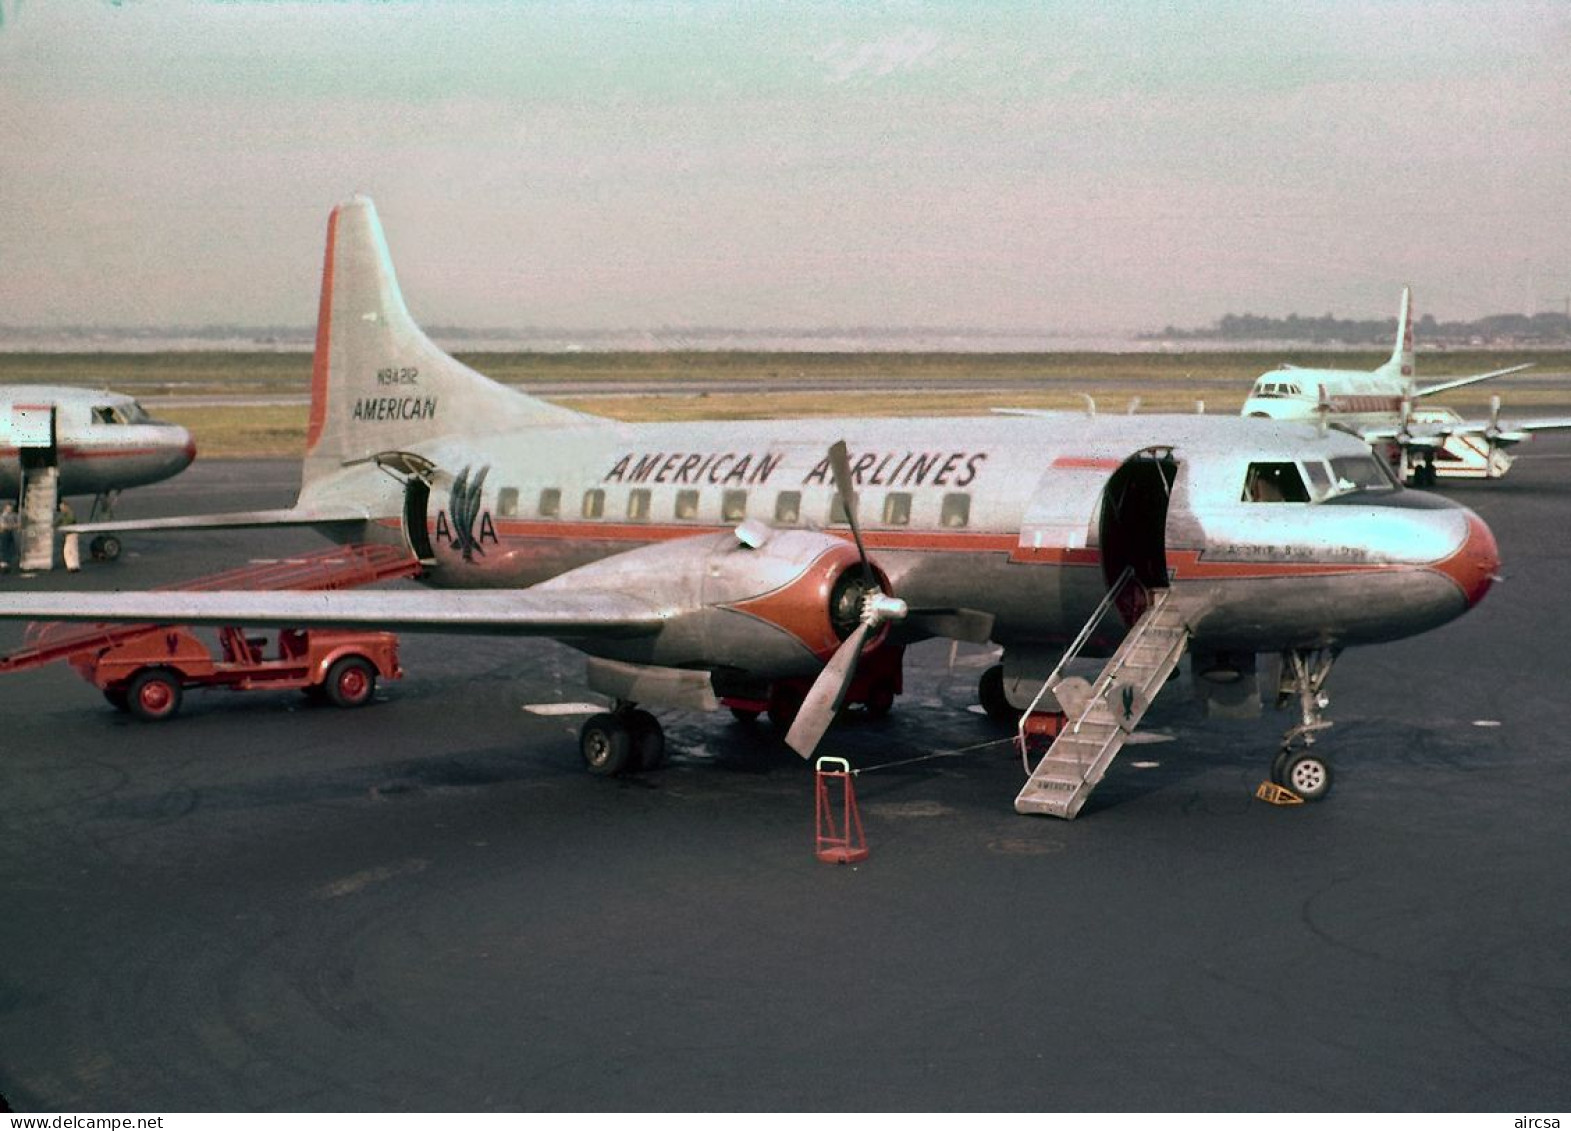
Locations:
146 669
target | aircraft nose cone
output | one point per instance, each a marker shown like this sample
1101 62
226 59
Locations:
1474 565
189 450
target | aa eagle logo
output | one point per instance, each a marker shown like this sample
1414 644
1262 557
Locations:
463 507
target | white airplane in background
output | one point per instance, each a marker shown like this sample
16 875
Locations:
96 443
700 564
1381 405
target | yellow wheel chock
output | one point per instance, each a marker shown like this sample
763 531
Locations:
1273 794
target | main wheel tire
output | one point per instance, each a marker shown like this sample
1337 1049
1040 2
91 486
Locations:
745 715
1308 775
880 701
154 695
648 737
350 682
784 706
990 693
606 744
1279 767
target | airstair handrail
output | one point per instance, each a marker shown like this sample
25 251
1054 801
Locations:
1109 599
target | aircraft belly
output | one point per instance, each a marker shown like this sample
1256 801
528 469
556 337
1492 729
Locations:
1273 613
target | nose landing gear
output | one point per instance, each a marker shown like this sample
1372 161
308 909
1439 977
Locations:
1297 767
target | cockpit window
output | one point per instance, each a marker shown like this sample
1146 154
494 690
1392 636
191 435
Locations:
1360 473
127 413
1319 478
1274 483
1265 388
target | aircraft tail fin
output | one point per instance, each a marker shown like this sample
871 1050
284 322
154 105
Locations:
1400 363
378 384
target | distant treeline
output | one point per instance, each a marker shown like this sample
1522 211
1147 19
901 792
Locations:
1517 329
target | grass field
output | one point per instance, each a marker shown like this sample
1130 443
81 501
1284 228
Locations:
1164 382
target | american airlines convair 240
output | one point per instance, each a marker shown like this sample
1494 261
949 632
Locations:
702 564
58 441
1385 406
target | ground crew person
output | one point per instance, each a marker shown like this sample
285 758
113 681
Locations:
70 550
10 523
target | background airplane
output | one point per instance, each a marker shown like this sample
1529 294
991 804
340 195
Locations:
705 564
1381 405
58 441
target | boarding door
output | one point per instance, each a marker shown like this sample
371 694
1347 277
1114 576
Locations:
1132 526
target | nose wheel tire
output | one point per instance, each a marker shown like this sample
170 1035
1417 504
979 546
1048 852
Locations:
104 548
1306 774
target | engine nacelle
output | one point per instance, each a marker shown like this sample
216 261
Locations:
777 604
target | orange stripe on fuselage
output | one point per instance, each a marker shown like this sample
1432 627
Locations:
324 339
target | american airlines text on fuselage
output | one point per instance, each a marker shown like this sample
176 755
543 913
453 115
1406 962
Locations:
872 469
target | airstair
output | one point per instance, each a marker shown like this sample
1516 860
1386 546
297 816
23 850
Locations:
1102 715
40 496
342 567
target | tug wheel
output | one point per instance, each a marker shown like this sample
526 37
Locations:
154 695
350 682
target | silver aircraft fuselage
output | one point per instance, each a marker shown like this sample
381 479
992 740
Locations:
1016 515
101 441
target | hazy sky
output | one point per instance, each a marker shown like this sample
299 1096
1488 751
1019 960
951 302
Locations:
1045 166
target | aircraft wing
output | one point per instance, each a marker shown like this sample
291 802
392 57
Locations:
1431 435
1458 382
561 613
235 520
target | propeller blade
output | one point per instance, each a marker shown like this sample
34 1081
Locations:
1494 413
840 464
824 697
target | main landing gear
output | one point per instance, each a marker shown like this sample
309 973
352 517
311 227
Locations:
623 740
1297 766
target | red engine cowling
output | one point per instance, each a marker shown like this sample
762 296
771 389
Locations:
779 607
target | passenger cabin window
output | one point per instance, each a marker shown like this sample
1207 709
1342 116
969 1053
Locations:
507 502
837 508
687 505
897 508
550 502
1274 483
788 507
956 511
638 504
594 503
733 506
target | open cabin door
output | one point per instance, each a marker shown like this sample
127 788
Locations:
1132 523
416 473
